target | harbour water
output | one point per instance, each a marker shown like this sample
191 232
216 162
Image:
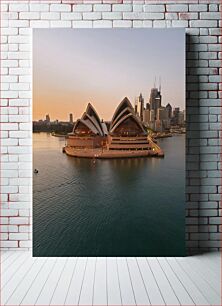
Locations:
122 207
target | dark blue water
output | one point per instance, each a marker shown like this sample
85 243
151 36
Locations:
128 207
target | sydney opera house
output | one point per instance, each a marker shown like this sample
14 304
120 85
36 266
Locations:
124 136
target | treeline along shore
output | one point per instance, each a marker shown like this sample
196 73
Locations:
57 128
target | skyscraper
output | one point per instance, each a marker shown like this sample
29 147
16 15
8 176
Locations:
155 100
152 119
136 111
184 115
71 118
158 126
139 106
175 119
47 118
146 116
169 110
161 113
152 115
148 106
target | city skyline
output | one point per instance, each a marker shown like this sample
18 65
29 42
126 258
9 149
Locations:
74 118
104 66
152 115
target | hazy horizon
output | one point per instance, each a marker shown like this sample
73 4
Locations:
72 67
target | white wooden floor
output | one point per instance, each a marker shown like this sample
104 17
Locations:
192 280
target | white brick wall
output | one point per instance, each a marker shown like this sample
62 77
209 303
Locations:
202 21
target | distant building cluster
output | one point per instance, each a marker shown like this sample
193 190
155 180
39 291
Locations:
157 117
48 120
55 126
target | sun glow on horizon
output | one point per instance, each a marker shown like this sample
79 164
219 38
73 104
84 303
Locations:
102 67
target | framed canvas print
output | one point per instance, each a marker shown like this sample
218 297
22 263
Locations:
109 132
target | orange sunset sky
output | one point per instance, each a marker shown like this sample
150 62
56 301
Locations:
72 67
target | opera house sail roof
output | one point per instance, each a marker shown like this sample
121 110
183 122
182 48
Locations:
90 124
125 122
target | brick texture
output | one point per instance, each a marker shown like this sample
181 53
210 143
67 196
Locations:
201 18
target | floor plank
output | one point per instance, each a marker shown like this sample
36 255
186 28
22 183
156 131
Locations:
5 255
150 282
13 270
165 287
61 290
36 287
10 261
75 286
212 278
49 287
100 284
208 292
113 286
18 294
86 294
114 281
212 261
127 293
16 279
139 288
191 288
180 291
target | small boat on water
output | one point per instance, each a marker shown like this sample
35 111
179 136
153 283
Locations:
58 135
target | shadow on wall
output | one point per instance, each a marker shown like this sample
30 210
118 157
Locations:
193 141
